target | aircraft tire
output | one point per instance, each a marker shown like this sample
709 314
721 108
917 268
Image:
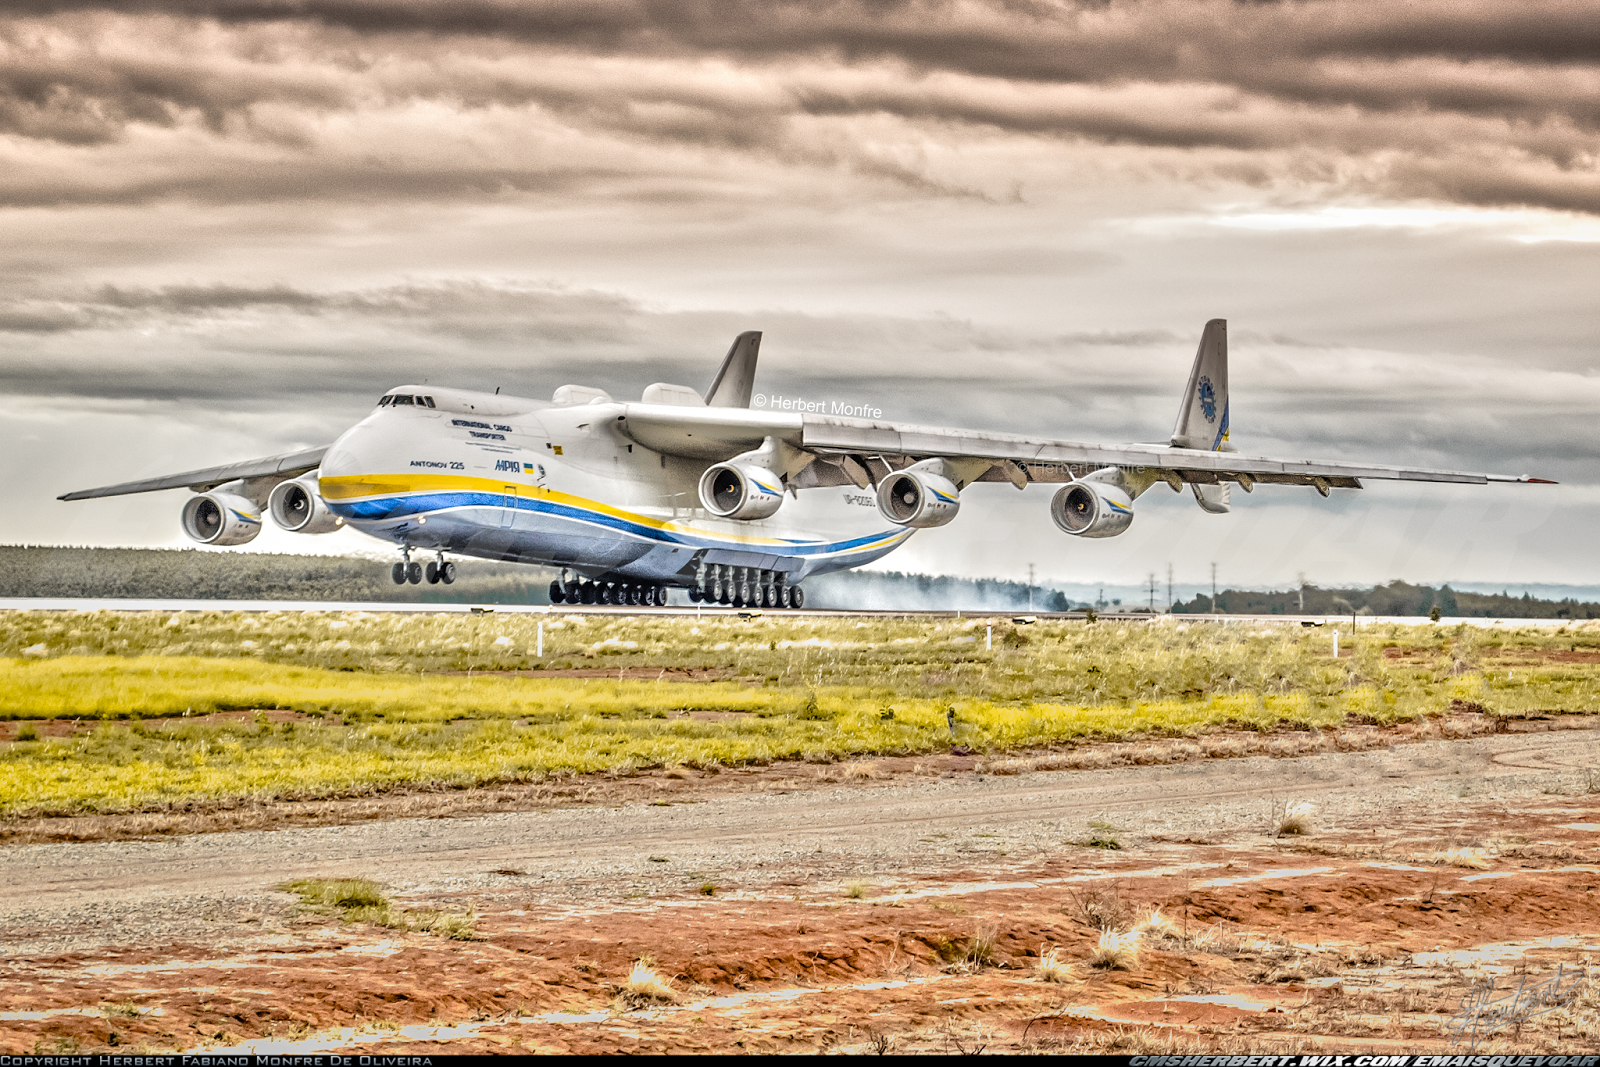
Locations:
557 594
447 572
694 595
587 593
574 592
631 595
431 572
724 593
414 573
661 596
797 599
398 573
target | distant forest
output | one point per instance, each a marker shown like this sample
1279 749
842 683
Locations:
193 574
1396 598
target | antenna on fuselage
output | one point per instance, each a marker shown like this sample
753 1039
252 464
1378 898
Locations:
734 383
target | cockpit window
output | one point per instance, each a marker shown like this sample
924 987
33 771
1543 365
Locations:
428 400
383 401
402 398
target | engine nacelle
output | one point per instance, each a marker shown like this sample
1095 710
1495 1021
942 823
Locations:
918 498
297 506
1092 509
221 519
735 490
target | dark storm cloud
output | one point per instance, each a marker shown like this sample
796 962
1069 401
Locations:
1485 103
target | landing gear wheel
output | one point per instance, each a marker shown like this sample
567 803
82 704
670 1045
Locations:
797 599
574 592
661 596
587 593
694 595
398 573
557 594
447 572
431 572
414 573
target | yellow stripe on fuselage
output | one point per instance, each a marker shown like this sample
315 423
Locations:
353 487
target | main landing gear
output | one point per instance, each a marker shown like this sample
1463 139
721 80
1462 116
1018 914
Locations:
629 594
438 570
746 587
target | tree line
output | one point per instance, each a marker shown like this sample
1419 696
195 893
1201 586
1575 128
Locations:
197 574
1396 598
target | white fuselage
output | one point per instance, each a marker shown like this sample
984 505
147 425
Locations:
508 478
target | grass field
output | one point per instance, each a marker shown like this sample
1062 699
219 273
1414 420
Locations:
796 688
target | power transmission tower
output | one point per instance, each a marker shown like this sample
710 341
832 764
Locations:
1302 577
1169 589
1213 589
1030 587
1152 592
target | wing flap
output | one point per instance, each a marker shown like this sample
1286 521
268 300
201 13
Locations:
719 433
288 465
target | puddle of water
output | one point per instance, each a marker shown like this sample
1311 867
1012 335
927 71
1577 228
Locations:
1549 870
1496 958
1231 1000
965 889
263 959
1265 876
1395 866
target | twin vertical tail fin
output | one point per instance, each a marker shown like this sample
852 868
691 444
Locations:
736 380
1203 412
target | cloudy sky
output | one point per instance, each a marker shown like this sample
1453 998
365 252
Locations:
226 226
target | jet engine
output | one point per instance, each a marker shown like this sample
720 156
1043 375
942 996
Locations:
735 490
918 497
1092 509
221 519
297 506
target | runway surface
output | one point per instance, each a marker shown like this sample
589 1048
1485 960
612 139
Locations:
702 610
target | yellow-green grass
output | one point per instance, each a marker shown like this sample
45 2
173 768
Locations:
1053 661
379 731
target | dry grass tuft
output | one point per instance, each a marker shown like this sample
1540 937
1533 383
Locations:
856 890
1298 817
1154 924
1476 859
860 769
1100 907
1116 951
646 986
1051 967
360 900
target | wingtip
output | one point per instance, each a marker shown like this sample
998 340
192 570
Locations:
1541 481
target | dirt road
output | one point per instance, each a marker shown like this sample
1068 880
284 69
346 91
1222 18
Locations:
567 897
870 826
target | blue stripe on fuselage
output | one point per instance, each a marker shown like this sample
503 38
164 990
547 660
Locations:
424 503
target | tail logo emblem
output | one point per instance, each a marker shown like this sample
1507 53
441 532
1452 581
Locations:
1208 400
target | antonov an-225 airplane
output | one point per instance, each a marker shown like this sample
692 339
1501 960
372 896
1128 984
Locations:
734 504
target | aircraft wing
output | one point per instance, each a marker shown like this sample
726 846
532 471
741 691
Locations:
285 466
852 448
